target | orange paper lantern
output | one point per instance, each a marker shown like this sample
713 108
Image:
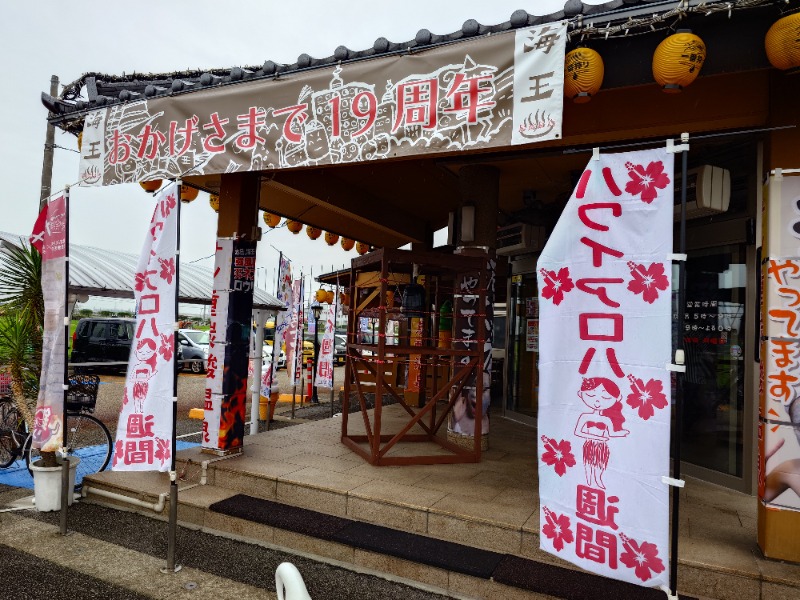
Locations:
782 43
344 299
313 232
294 226
583 74
677 61
150 186
329 296
331 238
321 295
362 248
347 244
213 202
188 194
271 220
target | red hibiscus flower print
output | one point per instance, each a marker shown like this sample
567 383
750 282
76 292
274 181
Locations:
167 269
556 528
643 558
558 454
646 180
163 448
556 284
647 281
645 396
165 349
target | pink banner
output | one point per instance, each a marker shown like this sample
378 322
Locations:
145 428
325 363
49 236
290 337
604 390
269 380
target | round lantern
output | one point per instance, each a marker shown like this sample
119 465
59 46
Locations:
347 244
583 74
294 226
271 220
331 238
313 232
782 43
188 194
321 295
80 141
344 299
362 248
150 186
677 60
329 296
213 202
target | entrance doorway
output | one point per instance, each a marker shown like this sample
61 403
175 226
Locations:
522 355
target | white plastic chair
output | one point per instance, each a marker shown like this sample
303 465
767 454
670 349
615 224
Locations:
289 581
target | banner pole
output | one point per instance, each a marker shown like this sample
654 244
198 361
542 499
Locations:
65 491
173 477
681 376
273 371
335 312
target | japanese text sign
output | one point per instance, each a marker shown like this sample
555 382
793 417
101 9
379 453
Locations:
145 427
325 362
604 393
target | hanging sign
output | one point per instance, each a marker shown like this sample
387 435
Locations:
49 237
604 391
145 426
450 98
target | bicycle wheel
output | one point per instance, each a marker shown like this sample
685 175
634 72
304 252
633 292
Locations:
9 425
88 439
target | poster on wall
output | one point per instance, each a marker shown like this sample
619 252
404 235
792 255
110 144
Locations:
532 335
605 340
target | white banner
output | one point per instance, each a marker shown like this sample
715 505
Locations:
145 428
49 236
539 83
604 390
325 362
269 380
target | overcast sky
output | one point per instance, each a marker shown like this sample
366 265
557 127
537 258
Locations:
51 37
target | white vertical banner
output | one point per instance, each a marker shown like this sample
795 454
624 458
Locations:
604 392
145 427
217 336
325 361
290 337
539 83
49 236
269 379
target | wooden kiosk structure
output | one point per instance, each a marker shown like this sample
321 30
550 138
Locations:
426 353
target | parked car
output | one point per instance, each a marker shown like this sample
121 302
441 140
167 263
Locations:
102 340
339 349
266 358
193 350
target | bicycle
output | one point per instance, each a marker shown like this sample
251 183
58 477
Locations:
87 436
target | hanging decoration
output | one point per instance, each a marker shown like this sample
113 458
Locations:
362 248
331 238
150 186
294 226
583 74
347 244
344 299
271 219
782 43
321 295
313 232
677 61
329 296
188 194
213 202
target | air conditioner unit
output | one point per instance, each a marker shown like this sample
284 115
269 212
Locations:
708 192
520 238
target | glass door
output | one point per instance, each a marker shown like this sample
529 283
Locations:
522 355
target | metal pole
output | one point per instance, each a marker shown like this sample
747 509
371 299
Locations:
173 476
49 147
258 353
677 431
65 491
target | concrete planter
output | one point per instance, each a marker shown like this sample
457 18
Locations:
47 485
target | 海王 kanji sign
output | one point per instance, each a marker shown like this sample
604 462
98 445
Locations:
604 391
145 428
472 94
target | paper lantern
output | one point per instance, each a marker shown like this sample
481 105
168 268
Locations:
150 186
347 244
344 299
271 220
329 296
677 60
362 248
294 226
782 43
331 238
213 202
188 194
313 232
321 295
583 74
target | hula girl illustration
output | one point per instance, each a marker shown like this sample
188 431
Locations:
604 422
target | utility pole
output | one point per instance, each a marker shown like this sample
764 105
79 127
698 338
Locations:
49 147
